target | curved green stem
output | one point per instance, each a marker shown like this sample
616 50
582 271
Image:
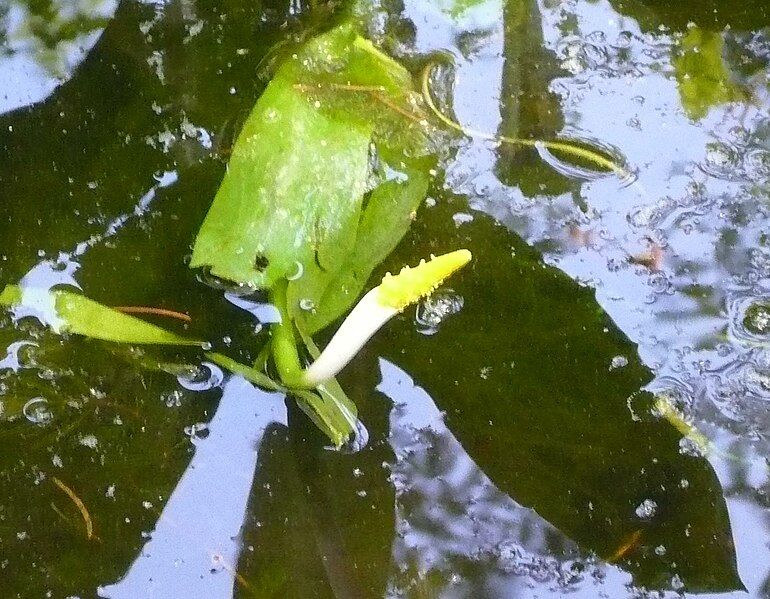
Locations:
284 342
564 146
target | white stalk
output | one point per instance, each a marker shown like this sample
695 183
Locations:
377 307
368 316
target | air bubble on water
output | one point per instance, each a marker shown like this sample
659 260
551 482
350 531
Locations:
757 318
596 37
298 272
172 399
89 441
749 319
739 136
37 411
650 215
307 304
201 378
572 170
196 431
17 357
646 510
624 39
757 164
618 362
435 309
660 284
461 218
722 161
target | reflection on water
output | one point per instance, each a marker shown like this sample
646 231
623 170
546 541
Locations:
194 547
43 42
680 259
701 205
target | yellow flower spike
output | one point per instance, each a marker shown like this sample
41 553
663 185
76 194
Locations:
411 284
376 308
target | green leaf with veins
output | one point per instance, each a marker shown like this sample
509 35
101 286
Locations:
293 197
69 312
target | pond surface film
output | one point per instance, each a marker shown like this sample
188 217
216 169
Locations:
583 411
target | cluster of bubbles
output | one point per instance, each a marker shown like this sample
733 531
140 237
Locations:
435 309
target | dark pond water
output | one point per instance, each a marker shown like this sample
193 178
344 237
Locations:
585 412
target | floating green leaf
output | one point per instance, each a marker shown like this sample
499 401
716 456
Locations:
292 196
293 189
322 184
68 312
701 74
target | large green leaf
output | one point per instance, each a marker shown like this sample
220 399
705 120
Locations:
293 189
292 196
68 312
388 215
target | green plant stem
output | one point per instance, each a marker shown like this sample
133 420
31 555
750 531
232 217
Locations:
250 374
284 342
567 147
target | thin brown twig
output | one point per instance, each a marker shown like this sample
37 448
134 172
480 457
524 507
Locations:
79 504
629 544
218 558
376 91
155 311
414 117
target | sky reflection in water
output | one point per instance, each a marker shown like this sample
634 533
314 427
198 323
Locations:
700 198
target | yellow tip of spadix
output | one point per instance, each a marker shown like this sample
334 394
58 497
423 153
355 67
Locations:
411 284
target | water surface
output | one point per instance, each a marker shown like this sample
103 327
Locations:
511 449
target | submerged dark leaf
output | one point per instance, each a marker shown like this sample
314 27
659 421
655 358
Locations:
543 414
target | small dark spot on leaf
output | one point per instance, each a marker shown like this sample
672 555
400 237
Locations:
318 261
260 262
